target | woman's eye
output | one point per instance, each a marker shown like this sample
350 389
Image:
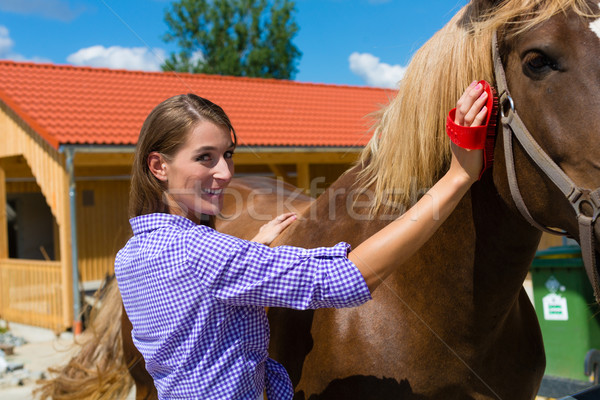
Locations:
203 157
228 154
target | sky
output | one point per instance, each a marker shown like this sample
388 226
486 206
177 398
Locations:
343 42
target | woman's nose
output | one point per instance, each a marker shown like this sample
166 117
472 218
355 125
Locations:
223 170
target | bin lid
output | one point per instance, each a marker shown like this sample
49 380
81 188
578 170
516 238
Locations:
559 256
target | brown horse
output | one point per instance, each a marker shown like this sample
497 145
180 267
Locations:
454 322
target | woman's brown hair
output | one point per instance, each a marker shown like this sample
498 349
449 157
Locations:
165 131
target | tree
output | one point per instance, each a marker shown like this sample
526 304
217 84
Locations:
233 37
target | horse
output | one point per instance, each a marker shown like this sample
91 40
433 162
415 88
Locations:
454 321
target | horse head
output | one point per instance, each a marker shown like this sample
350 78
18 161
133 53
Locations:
548 77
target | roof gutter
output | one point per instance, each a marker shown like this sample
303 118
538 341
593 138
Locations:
69 151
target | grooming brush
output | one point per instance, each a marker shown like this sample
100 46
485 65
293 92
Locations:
477 137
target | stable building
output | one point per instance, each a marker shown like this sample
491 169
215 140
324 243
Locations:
67 137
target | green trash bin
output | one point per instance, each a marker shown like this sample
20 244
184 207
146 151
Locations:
565 306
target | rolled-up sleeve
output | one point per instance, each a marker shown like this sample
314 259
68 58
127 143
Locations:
240 272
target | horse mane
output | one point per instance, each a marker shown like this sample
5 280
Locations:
409 150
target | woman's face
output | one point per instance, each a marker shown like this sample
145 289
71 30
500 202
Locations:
200 171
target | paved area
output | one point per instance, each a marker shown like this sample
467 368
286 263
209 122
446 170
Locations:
42 349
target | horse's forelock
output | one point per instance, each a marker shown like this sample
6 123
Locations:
520 16
409 150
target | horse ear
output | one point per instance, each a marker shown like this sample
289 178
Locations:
475 10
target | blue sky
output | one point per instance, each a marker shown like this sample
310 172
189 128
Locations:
347 42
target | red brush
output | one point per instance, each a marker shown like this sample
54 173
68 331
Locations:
477 137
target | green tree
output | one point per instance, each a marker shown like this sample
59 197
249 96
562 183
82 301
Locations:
233 37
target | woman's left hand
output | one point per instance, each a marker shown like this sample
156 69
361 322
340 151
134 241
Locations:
269 231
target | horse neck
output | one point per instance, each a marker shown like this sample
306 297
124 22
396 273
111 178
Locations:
469 276
503 246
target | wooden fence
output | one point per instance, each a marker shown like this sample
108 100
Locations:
31 293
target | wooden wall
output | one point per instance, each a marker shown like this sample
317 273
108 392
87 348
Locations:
102 226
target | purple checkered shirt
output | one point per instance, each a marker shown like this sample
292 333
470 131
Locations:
195 298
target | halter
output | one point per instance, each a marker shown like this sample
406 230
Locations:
585 202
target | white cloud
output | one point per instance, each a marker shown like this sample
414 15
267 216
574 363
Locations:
374 72
6 45
53 9
197 57
116 57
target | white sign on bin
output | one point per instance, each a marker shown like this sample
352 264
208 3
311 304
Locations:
555 307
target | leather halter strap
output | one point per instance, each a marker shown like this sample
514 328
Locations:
585 202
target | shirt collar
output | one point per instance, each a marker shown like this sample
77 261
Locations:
151 222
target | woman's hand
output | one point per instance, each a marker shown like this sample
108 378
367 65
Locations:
470 108
470 111
269 231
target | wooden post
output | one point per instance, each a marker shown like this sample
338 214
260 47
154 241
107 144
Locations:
303 180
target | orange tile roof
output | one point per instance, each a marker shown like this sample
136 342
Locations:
80 105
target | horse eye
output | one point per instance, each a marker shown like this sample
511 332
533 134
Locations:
536 63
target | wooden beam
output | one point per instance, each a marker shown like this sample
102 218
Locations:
3 219
244 156
292 157
11 162
103 159
16 167
279 172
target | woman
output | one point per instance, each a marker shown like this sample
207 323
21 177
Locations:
195 297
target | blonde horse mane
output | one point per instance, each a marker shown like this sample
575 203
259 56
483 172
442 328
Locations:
409 149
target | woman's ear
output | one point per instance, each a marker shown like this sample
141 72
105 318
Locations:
157 166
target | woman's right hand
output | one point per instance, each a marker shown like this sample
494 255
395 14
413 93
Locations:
470 111
269 231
